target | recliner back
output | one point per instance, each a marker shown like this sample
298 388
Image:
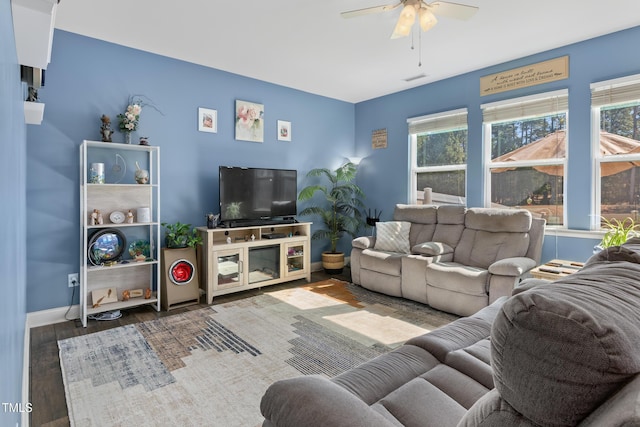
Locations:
493 234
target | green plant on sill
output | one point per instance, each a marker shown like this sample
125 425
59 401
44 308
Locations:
179 235
341 204
618 231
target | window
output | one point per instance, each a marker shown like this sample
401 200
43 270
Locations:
616 149
525 141
439 158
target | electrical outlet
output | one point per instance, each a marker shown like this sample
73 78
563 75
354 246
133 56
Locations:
73 280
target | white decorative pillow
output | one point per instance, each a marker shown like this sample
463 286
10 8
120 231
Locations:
393 236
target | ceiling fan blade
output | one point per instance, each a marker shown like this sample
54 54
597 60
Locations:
451 10
369 10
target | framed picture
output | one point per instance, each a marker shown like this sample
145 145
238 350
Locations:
284 130
249 121
207 120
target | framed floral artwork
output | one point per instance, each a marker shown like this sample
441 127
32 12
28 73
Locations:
207 120
284 130
249 121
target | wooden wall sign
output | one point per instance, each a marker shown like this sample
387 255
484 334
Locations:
379 139
530 75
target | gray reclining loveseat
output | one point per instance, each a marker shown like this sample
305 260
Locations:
455 259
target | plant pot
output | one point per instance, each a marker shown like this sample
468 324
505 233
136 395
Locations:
333 262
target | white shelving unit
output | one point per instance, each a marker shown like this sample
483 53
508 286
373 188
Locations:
119 193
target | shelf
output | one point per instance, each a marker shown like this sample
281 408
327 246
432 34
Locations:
130 264
124 224
120 185
120 305
120 146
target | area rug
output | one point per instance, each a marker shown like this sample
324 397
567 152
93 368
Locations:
211 366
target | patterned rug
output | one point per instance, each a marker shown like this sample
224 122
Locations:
211 366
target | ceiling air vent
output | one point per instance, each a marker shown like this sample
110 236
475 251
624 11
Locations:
419 76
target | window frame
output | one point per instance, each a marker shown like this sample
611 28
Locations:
510 105
443 122
621 91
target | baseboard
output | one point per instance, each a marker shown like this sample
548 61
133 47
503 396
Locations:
51 316
24 419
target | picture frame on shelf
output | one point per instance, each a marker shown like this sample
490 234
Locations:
207 120
284 130
249 121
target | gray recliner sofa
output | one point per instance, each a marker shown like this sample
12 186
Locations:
459 259
561 353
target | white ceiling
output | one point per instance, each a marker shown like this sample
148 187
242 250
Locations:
308 46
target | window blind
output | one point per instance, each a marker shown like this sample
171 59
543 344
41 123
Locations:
530 106
450 120
618 91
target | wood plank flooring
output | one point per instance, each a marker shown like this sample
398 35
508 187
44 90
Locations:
46 390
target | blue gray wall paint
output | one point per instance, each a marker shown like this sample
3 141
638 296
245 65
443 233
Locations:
384 172
12 220
88 78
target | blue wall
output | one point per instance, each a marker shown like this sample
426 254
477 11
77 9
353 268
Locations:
12 220
384 172
88 78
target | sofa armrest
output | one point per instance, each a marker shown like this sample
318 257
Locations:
312 401
431 249
515 266
364 242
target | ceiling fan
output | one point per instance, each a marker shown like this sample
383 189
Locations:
426 13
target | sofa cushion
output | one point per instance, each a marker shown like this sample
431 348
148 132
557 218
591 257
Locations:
416 214
458 278
560 349
452 214
393 236
498 220
479 248
432 249
382 262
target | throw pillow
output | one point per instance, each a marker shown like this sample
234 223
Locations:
393 236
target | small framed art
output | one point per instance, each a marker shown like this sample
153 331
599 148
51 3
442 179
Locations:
284 130
207 120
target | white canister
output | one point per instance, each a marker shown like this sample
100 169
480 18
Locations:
144 215
96 173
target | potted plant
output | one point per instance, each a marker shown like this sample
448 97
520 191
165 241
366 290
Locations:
179 235
617 231
339 210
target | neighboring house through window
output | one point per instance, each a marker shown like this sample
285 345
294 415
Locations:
615 135
525 142
439 158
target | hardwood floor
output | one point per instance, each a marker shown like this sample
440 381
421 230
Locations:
46 390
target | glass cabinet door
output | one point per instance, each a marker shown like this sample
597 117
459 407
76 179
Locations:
295 258
228 268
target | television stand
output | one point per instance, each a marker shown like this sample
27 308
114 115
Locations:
240 258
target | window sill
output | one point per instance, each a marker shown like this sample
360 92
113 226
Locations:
577 234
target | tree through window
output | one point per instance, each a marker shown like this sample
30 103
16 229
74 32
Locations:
439 157
526 140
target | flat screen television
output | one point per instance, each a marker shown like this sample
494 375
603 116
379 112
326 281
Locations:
254 194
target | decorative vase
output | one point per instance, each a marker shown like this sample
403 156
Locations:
127 137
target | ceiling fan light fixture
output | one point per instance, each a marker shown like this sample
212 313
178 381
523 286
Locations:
427 19
405 21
